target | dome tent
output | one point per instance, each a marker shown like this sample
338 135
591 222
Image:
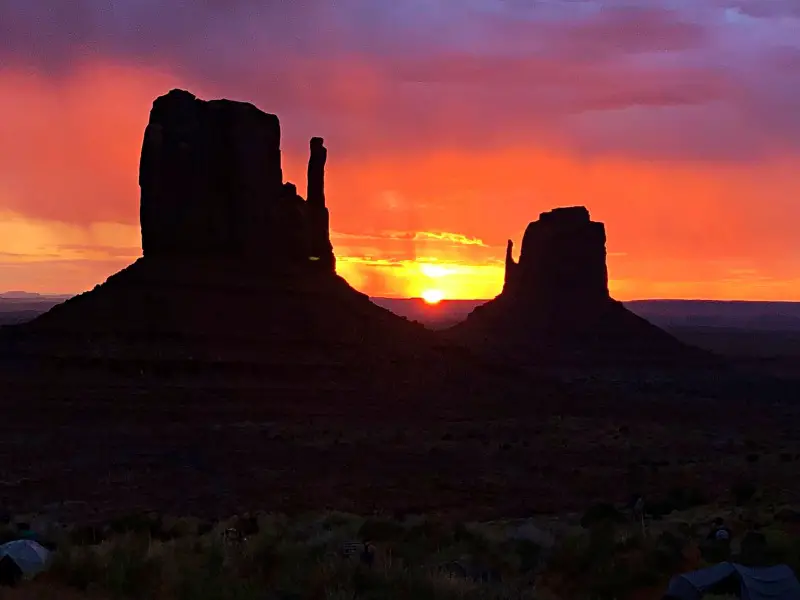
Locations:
749 583
22 559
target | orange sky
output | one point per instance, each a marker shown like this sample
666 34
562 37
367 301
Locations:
421 206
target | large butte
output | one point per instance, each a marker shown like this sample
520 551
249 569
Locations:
237 268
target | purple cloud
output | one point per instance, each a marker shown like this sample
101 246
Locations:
766 9
472 72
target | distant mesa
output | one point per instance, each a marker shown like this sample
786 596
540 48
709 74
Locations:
236 265
562 264
555 306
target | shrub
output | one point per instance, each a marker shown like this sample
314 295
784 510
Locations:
130 571
148 524
208 579
714 551
86 535
601 513
381 530
529 553
678 499
787 515
78 568
667 554
754 549
686 498
783 548
743 492
7 534
430 534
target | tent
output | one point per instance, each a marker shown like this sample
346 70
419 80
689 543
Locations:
29 556
748 583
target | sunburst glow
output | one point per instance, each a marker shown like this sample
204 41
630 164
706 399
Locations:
433 296
435 271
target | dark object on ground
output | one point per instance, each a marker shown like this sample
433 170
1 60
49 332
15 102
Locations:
719 532
10 573
638 508
233 537
368 555
766 583
204 527
676 499
86 535
754 549
714 551
365 551
555 306
247 526
717 545
743 492
787 515
669 550
601 513
466 569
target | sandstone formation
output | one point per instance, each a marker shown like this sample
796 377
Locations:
236 265
212 186
555 305
320 243
563 260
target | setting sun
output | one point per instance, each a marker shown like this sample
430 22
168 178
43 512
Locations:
432 296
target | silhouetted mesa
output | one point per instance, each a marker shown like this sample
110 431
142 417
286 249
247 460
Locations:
212 185
563 260
555 304
236 265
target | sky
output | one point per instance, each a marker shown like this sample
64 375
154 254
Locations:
450 124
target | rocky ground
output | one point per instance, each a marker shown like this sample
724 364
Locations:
91 447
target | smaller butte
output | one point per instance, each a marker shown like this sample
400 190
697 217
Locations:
555 307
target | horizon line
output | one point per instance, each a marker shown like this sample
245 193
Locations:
451 300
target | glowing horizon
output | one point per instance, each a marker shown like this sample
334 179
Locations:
433 296
116 246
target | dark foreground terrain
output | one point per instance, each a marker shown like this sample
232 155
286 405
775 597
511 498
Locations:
85 445
602 553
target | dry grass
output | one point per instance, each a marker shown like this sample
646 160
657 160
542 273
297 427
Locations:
299 558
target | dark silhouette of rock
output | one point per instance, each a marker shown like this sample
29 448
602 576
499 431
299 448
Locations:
511 268
555 305
563 260
210 178
212 185
316 172
321 249
236 266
